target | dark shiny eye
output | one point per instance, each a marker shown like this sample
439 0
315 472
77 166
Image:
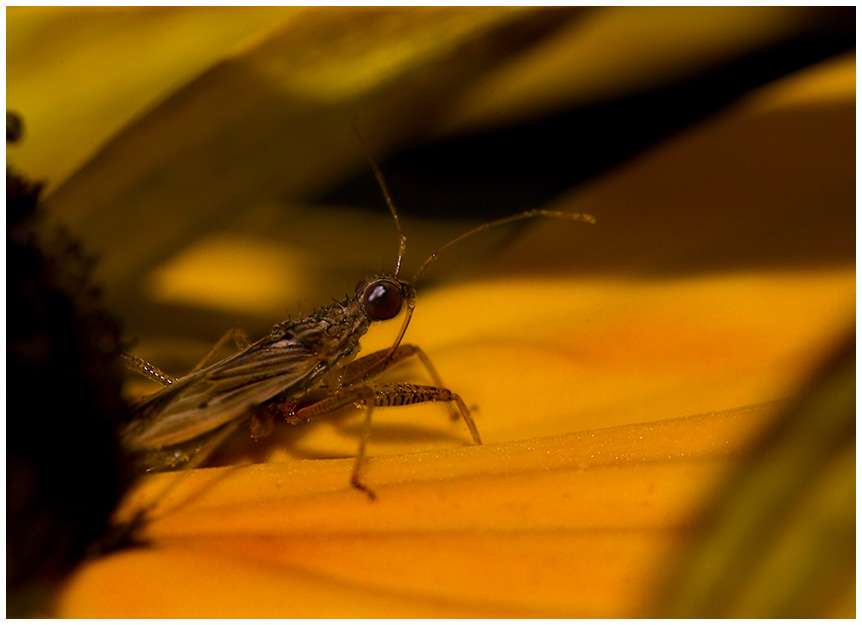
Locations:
381 299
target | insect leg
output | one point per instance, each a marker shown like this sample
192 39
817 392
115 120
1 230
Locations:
152 372
146 369
371 396
405 394
376 363
239 338
355 482
455 412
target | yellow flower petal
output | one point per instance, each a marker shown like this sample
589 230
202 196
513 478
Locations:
94 58
580 523
720 270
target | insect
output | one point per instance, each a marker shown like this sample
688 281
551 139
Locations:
303 369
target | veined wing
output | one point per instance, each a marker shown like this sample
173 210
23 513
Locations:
220 393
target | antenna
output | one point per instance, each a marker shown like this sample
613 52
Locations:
528 214
402 240
402 243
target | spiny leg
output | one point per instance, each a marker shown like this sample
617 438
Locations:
376 363
147 369
379 395
406 394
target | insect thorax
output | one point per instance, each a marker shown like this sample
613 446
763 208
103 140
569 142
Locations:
330 333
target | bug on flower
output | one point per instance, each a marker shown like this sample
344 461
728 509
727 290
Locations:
303 369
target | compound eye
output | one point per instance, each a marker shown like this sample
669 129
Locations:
382 299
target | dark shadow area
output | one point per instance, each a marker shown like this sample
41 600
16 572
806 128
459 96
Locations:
482 176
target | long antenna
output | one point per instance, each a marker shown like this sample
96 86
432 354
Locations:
402 242
536 212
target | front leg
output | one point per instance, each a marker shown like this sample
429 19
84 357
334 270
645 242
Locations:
376 363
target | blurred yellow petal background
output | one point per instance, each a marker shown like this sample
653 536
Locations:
619 373
58 54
